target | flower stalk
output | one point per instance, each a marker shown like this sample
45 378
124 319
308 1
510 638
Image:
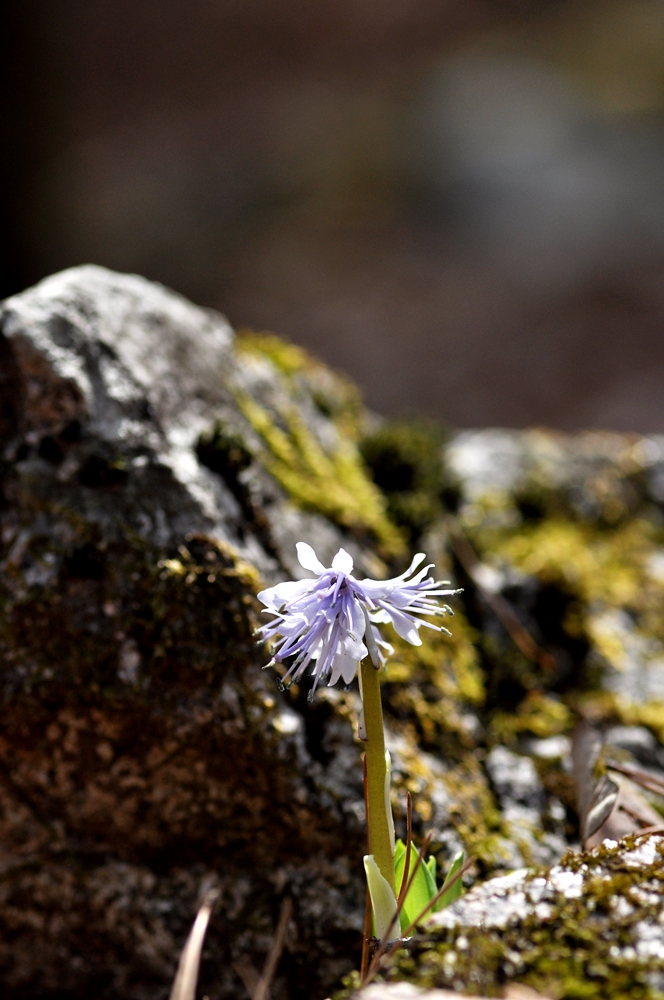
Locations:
381 836
328 626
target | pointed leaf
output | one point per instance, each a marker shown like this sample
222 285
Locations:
422 890
596 792
399 851
455 890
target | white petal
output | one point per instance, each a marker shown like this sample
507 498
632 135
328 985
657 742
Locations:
317 649
380 641
417 559
399 599
377 589
308 558
345 660
343 562
379 617
404 627
372 646
349 669
339 667
292 625
357 623
284 593
354 647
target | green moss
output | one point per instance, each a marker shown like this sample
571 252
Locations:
433 686
595 564
334 395
597 596
183 617
537 715
405 461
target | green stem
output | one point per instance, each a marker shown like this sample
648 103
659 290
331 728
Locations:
380 839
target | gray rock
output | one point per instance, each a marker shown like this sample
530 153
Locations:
636 740
523 804
141 372
144 751
515 778
610 898
153 472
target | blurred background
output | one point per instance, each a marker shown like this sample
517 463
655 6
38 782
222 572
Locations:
458 202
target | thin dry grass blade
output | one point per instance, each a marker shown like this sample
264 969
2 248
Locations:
502 609
262 990
367 936
184 985
248 975
648 781
596 793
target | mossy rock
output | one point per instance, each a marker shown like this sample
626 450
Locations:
156 471
591 926
144 751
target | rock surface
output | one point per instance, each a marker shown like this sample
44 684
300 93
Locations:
592 925
154 470
142 748
407 991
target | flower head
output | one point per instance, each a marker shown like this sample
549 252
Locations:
329 623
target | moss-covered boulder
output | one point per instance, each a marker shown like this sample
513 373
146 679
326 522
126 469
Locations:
143 751
591 926
155 470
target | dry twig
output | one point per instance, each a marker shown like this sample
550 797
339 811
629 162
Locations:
502 609
262 990
648 781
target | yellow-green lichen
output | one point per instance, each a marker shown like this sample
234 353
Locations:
332 482
594 563
608 595
433 686
333 394
538 715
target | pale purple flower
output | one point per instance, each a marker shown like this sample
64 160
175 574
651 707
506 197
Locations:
329 623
